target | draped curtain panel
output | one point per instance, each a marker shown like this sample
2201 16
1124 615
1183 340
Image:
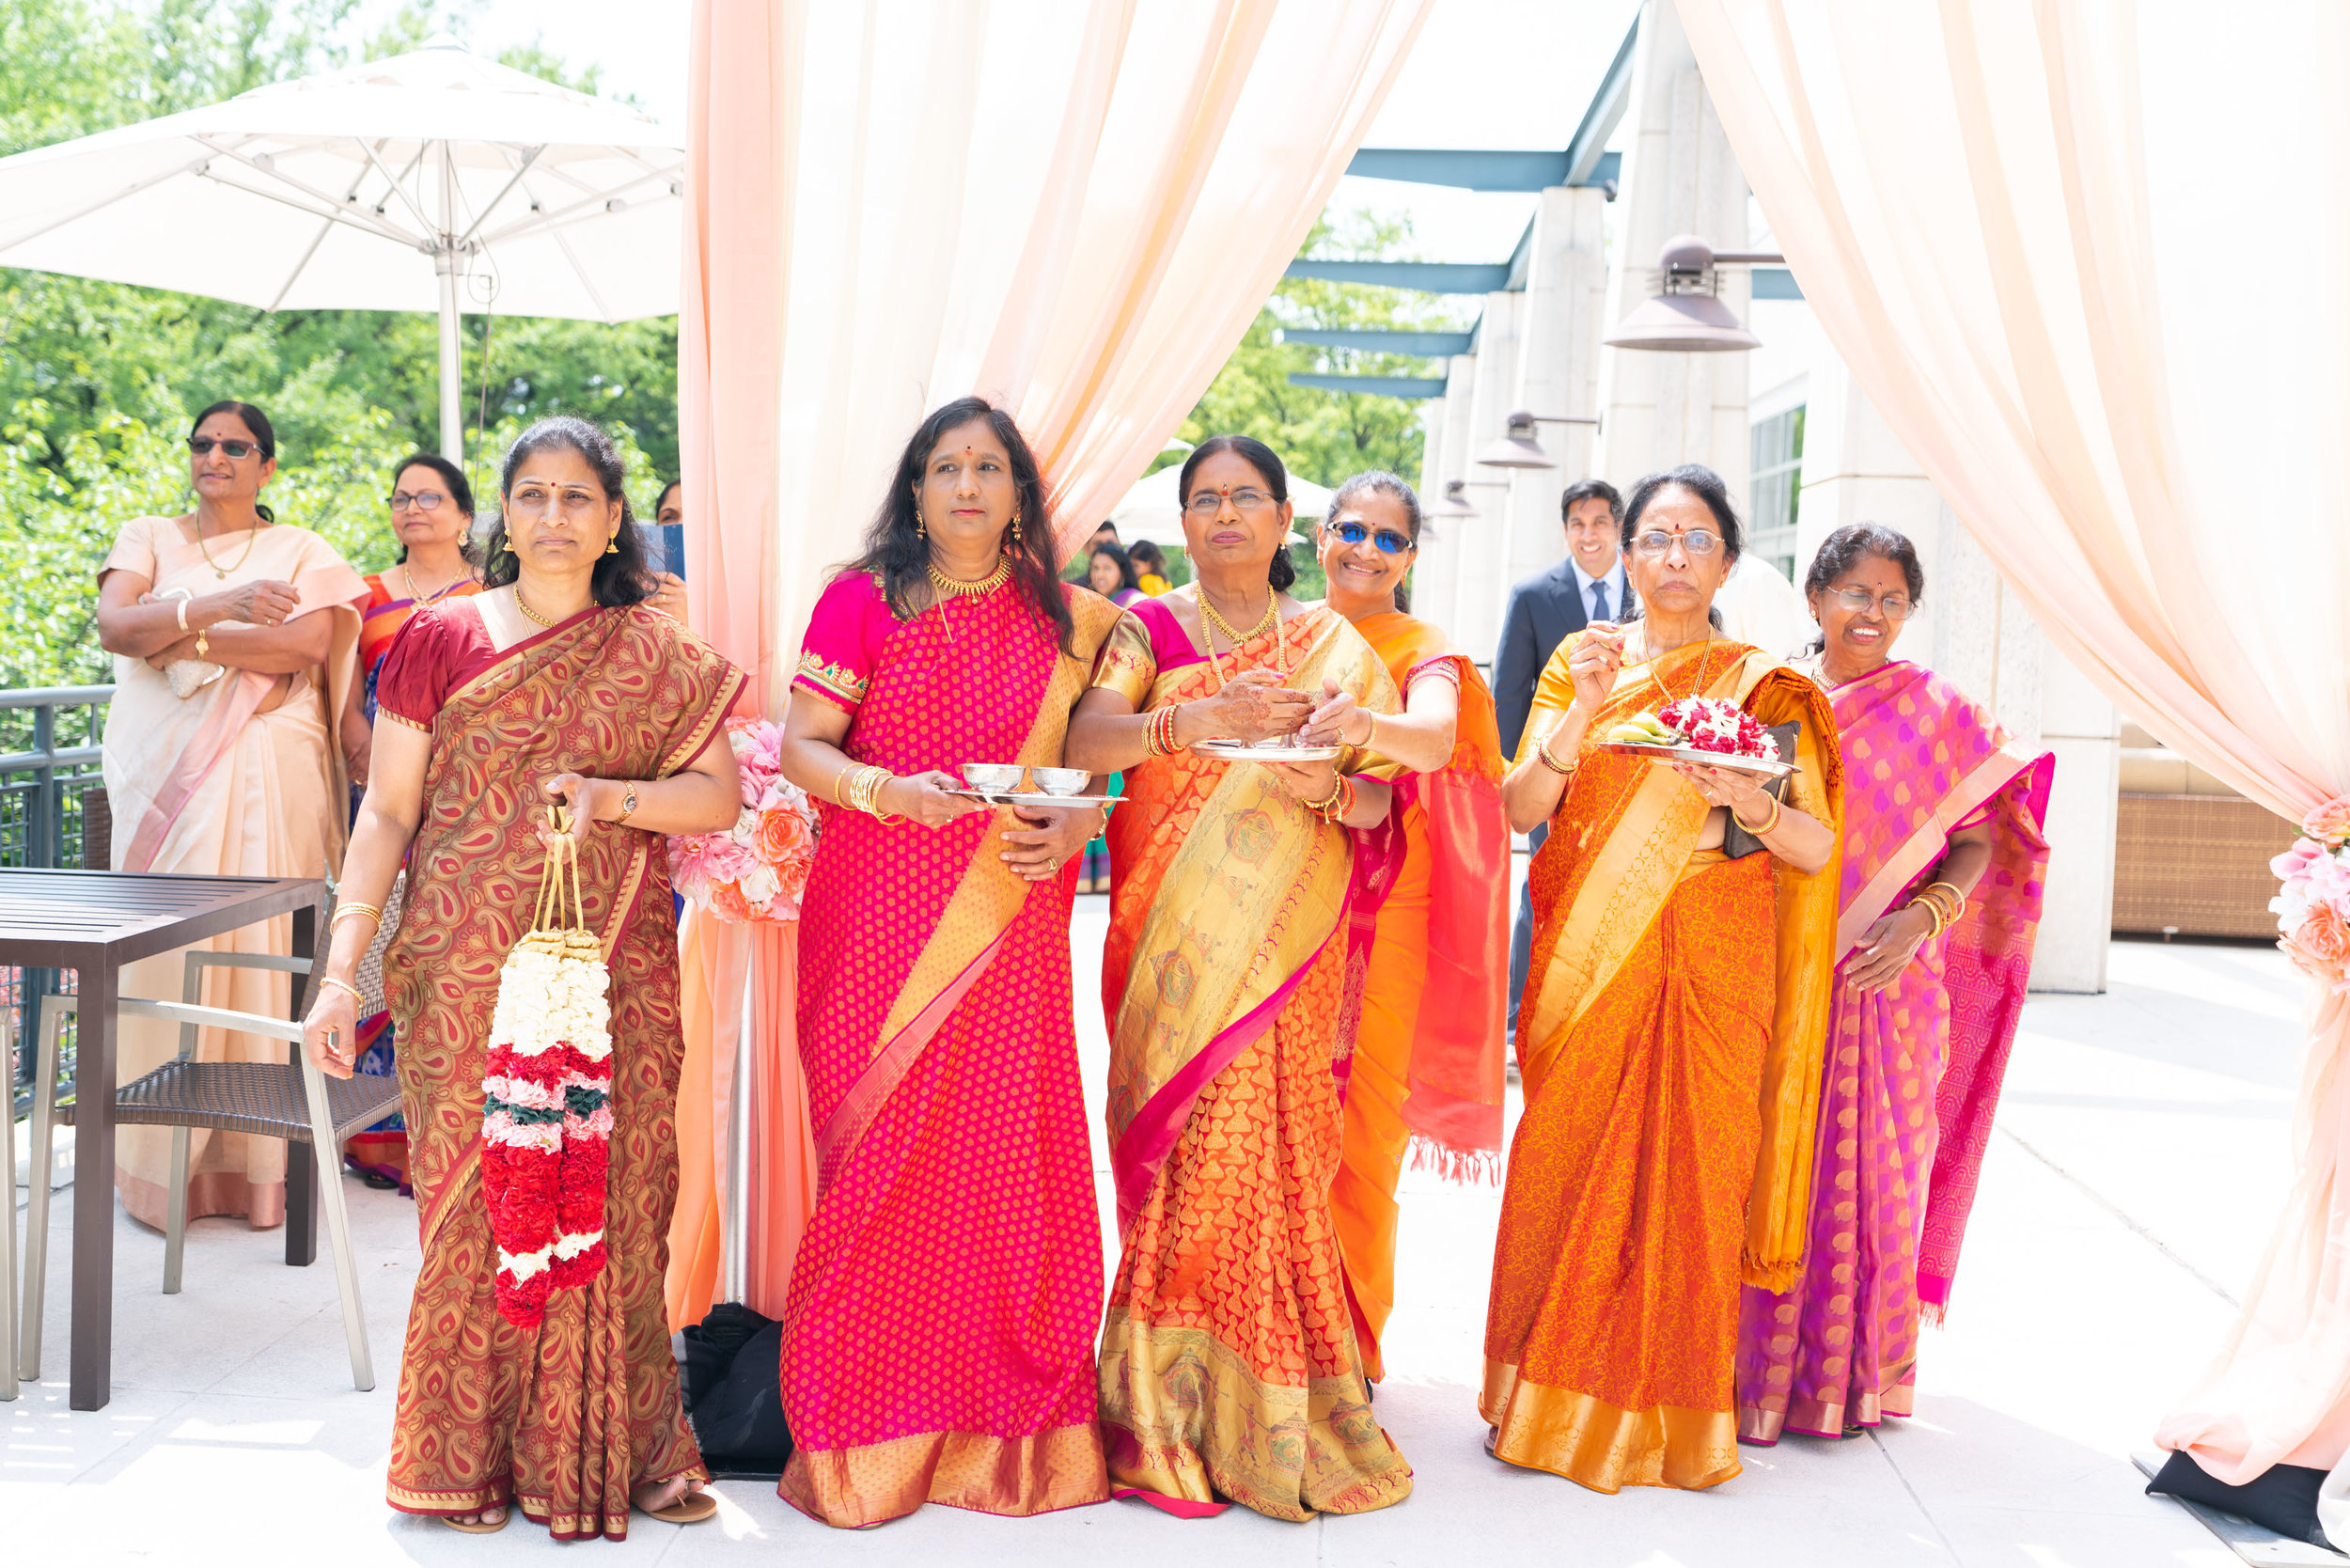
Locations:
2083 255
1073 208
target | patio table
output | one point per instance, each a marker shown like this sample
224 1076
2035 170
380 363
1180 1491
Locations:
95 922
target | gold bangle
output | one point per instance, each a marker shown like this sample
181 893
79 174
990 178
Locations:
1933 912
1768 826
1542 750
1321 808
203 646
343 985
374 911
1370 735
1959 898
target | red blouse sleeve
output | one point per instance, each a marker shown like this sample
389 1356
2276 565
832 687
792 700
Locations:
427 657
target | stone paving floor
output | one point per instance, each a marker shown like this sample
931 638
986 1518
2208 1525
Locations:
2139 1158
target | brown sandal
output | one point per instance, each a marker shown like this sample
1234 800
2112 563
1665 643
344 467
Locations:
691 1508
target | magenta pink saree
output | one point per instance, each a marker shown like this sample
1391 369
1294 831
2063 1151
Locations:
1911 1074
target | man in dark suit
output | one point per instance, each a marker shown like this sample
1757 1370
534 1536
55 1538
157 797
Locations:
1545 611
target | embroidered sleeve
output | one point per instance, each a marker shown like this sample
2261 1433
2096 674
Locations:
837 652
1124 665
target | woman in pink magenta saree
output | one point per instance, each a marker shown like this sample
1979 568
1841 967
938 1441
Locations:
938 1334
1943 860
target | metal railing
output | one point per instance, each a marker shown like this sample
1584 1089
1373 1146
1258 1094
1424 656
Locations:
53 740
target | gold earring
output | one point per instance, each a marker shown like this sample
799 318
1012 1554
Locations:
612 545
922 529
1017 536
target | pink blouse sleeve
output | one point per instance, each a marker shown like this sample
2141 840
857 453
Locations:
844 634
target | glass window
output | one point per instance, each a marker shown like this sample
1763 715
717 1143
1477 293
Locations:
1776 480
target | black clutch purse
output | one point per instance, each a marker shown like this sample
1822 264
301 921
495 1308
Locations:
1737 844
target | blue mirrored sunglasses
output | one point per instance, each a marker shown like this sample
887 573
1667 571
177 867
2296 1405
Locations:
1390 542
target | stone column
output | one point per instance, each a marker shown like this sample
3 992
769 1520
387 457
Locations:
1436 580
1482 582
1678 178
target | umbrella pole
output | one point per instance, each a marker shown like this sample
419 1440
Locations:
452 322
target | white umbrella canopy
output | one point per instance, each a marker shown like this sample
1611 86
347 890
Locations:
1152 511
432 180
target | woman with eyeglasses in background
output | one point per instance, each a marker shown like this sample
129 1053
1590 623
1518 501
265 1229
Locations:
431 516
1239 924
233 637
1669 1039
1943 861
1426 1080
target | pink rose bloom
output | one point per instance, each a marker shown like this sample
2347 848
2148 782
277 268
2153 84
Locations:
2329 882
726 860
2329 822
689 864
2295 863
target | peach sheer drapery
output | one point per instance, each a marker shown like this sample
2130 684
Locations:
2070 297
1074 208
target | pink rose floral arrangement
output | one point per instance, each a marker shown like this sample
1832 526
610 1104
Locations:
756 870
1717 724
2313 907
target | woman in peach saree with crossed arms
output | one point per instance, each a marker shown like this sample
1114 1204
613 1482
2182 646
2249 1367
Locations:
560 683
1240 907
1669 1041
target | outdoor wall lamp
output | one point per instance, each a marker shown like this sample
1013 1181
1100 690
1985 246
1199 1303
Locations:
1685 315
1456 501
1517 448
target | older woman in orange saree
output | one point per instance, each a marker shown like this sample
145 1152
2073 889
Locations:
937 1337
1240 918
558 684
1671 1037
1426 1081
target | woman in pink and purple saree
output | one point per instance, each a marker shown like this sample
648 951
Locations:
1943 860
938 1341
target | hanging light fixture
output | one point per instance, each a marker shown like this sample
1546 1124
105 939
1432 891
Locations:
1456 503
1518 448
1685 315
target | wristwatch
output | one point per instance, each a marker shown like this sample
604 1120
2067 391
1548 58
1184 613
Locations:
628 802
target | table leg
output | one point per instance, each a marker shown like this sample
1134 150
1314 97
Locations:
302 1186
94 1190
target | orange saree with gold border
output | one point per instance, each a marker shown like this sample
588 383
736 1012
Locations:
562 1420
1669 1044
1228 1365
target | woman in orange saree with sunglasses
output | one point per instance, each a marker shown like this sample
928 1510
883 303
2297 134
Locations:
1671 1037
1241 908
560 683
1425 1080
938 1334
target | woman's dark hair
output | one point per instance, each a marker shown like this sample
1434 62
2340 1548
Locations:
1706 486
1124 563
264 436
896 551
663 499
1378 482
1852 544
1282 571
1146 557
621 577
459 492
1590 490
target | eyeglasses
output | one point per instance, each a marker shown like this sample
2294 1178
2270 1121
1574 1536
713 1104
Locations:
1390 542
1656 544
1206 504
423 501
235 452
1893 606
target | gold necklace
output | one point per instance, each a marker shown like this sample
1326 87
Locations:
1657 673
523 604
948 588
252 536
1266 623
422 598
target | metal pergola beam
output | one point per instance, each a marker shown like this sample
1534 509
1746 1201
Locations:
1584 155
1377 387
1505 169
1434 277
1776 283
1434 345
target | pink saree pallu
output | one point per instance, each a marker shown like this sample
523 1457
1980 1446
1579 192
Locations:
1911 1074
938 1337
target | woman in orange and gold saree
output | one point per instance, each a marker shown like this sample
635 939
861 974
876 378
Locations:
1943 861
1241 900
559 683
232 636
938 1334
1422 1080
1669 1039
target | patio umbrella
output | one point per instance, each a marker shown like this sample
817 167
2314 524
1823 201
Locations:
403 184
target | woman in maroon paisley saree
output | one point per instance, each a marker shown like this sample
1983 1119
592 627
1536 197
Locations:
938 1335
559 683
1943 859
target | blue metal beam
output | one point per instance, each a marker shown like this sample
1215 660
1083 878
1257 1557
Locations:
1434 277
1776 283
1473 170
1436 345
1584 158
1377 387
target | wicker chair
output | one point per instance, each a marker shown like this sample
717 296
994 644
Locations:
262 1099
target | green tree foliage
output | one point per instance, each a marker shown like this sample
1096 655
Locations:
98 381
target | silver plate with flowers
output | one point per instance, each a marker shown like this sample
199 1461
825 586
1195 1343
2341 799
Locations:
1753 766
1241 751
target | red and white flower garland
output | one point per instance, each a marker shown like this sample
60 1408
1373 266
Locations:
1718 724
546 1120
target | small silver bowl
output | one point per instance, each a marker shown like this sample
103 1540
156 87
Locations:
1000 778
1061 781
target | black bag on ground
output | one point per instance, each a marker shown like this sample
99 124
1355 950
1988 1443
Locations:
2283 1498
731 1397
